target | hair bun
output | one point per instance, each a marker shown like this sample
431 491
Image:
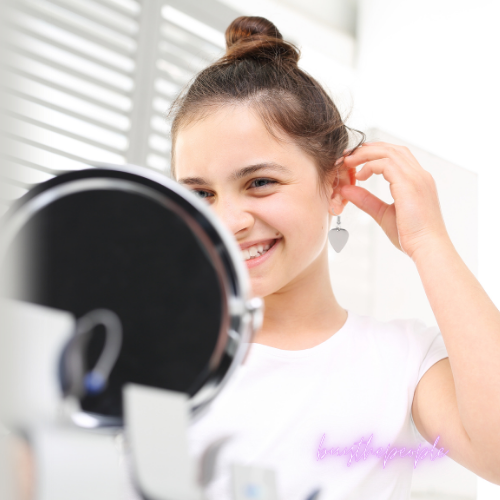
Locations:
252 37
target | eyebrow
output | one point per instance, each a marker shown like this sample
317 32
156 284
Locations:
239 174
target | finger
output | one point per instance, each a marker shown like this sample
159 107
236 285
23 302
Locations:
375 150
401 150
365 201
369 153
376 143
385 166
384 150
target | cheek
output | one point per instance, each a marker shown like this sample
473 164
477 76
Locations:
301 221
312 213
310 232
277 214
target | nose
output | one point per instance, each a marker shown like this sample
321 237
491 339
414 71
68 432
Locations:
233 215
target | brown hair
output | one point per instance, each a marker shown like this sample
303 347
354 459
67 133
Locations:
261 69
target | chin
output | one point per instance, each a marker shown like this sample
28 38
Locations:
259 291
263 286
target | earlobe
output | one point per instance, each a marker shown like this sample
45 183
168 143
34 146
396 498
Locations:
337 203
336 210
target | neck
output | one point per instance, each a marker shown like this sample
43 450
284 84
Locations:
304 313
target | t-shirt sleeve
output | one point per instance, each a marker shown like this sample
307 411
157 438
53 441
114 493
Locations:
434 348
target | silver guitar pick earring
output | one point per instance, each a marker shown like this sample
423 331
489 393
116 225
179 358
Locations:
337 236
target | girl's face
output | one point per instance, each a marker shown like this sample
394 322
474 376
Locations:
266 192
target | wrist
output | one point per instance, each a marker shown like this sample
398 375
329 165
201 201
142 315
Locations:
432 247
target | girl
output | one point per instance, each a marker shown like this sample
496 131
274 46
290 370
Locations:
328 398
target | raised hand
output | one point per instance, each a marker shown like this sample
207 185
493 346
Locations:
414 221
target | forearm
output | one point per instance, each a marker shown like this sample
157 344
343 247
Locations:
470 325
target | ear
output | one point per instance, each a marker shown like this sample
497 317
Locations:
339 178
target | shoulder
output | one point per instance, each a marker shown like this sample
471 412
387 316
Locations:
407 337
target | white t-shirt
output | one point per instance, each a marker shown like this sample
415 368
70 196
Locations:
359 382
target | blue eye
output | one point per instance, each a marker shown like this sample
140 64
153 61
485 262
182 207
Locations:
262 182
202 194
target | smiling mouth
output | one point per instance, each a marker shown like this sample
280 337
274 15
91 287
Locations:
256 251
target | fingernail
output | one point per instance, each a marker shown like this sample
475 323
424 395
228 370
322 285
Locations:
340 160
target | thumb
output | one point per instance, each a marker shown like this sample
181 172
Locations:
365 201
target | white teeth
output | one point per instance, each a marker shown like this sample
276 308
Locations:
255 251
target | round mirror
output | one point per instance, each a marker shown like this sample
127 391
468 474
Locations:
128 240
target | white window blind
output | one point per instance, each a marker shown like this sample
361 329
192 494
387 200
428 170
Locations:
89 81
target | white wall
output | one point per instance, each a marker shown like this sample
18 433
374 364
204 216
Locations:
428 72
